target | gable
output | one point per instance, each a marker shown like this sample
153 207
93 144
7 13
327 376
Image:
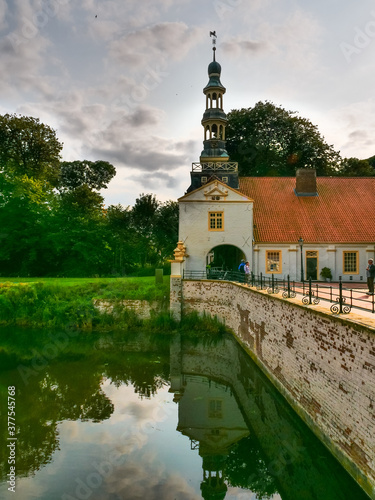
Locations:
215 191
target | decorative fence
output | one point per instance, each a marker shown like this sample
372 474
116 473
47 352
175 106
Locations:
342 299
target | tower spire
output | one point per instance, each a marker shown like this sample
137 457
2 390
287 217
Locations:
213 35
214 159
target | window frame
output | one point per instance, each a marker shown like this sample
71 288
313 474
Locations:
279 271
345 252
216 218
215 408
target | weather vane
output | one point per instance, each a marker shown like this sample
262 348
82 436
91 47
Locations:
213 35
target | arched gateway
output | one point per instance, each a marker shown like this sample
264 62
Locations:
226 257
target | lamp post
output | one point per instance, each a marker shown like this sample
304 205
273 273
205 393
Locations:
300 241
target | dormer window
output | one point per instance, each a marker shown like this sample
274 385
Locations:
204 180
225 179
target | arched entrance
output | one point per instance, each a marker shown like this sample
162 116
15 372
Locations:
226 257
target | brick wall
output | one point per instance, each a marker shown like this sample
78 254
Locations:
322 364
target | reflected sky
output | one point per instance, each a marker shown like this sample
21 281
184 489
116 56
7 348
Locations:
179 419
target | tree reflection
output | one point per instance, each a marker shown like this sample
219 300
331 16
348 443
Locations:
246 467
67 388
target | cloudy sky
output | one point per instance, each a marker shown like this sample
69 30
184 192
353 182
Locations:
122 80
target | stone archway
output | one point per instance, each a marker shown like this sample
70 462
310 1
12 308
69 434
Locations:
226 257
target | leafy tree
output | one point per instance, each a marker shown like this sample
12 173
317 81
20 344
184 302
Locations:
166 228
143 220
24 209
94 174
353 167
268 140
123 238
144 211
28 147
82 200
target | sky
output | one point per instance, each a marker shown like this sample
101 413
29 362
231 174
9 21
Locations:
122 80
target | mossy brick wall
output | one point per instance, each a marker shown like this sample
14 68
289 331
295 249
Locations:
322 364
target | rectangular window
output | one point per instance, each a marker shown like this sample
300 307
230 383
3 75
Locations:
215 408
273 261
203 180
350 263
216 221
225 179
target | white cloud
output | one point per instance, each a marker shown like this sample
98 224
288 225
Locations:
161 42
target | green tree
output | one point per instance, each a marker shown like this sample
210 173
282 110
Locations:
123 238
166 229
24 211
82 200
144 211
28 147
143 221
94 174
268 140
353 167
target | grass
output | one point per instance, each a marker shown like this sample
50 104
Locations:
69 303
57 302
77 281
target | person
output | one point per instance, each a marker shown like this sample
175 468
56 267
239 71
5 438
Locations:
241 267
247 271
370 273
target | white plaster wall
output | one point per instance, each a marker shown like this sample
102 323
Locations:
328 256
193 229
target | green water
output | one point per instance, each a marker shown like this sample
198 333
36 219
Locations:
114 416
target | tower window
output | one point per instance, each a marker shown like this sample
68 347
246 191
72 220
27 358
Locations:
216 221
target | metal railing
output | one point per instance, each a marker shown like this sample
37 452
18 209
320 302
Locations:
342 299
228 166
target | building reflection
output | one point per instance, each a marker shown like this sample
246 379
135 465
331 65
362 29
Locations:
210 417
246 434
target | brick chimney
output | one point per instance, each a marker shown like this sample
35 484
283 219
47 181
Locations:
306 182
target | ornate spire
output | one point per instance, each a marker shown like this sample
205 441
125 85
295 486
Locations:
214 119
213 34
214 159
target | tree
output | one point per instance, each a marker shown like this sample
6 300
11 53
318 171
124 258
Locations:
28 147
82 200
144 211
353 167
268 140
166 229
94 174
123 239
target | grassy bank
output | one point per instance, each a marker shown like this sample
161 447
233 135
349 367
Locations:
61 302
69 304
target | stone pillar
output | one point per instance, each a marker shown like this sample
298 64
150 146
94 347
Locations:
177 272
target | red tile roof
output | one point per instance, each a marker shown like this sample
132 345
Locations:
343 211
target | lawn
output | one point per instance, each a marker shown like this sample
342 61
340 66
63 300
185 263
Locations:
58 301
80 281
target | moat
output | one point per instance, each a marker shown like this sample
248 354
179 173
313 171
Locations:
133 416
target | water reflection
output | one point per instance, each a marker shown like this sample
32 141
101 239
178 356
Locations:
99 420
